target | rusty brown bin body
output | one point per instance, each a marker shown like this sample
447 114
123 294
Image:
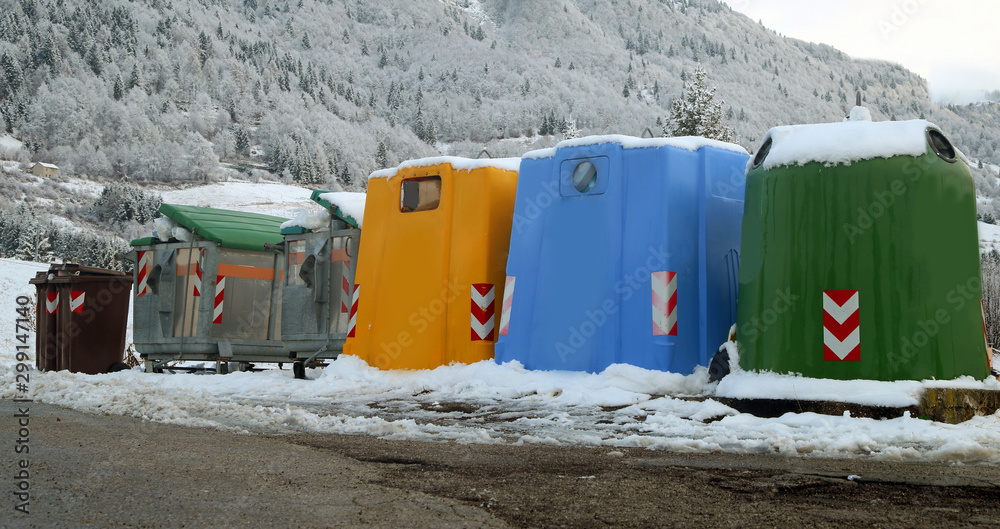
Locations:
82 318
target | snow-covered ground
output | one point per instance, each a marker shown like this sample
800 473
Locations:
989 237
269 198
490 403
8 142
14 276
624 406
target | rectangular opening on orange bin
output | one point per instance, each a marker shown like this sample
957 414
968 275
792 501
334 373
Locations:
420 194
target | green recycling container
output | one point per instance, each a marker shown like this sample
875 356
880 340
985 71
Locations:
860 255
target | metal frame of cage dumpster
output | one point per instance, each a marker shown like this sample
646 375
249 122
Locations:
316 292
202 332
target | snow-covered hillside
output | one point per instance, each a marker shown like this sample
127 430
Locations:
163 90
989 237
269 198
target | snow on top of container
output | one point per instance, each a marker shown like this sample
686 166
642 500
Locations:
350 204
855 139
457 163
310 220
688 143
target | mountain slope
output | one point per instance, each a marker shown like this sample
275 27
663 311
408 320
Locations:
333 89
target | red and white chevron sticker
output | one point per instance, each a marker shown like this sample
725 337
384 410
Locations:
508 300
143 268
345 289
841 325
483 312
76 300
220 296
353 318
197 273
664 286
51 302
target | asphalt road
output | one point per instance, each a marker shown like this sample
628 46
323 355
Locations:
108 471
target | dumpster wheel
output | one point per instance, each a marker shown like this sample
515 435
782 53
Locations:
299 370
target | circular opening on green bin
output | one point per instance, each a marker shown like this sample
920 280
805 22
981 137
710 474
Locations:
762 153
584 176
942 147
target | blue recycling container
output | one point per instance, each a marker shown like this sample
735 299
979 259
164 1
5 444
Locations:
623 250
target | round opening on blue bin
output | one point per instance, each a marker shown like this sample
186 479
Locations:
584 176
942 147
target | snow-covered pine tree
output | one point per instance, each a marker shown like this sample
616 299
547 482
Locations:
29 234
381 156
696 113
118 92
571 131
241 140
13 76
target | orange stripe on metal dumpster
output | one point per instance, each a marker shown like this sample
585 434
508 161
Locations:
228 270
246 272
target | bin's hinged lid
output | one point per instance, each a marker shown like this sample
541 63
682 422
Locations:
231 229
69 271
348 207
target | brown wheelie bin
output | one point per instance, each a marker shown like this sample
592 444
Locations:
82 317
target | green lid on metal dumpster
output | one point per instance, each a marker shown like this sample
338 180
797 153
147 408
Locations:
231 229
339 209
294 230
143 241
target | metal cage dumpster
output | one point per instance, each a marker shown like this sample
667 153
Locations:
320 259
431 264
624 250
82 318
214 297
860 255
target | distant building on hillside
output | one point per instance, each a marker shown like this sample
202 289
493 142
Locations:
44 169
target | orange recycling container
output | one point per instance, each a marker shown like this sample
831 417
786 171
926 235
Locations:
431 266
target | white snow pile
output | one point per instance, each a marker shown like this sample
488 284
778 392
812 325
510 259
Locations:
350 204
859 114
625 406
456 163
843 143
688 143
310 220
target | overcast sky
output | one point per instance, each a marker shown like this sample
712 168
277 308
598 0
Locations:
955 44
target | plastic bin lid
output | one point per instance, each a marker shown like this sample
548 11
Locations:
231 229
294 230
144 241
68 272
